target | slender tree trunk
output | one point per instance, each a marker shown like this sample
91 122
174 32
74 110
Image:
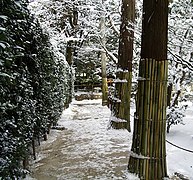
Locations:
38 138
73 19
26 162
169 94
103 61
45 136
33 149
124 71
69 59
178 92
148 152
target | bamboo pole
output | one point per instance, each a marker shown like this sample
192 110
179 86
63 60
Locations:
153 109
158 120
150 114
164 168
148 118
164 97
145 118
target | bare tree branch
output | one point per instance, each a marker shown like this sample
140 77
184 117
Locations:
178 59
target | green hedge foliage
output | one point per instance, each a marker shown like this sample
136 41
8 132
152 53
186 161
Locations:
33 85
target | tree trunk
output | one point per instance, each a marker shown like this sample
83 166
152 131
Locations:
148 152
45 135
178 92
175 100
26 162
103 61
69 59
33 149
169 94
124 71
38 139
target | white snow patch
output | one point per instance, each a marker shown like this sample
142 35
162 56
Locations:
178 160
120 80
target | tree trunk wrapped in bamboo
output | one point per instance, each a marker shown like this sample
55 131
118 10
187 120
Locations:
121 113
148 152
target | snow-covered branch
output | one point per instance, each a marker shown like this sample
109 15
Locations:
111 55
178 59
113 25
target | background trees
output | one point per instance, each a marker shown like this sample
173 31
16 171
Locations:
180 59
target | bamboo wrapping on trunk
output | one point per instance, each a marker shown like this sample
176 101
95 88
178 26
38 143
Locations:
122 108
150 121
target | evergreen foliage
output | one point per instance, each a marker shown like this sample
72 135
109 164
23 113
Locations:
175 116
33 86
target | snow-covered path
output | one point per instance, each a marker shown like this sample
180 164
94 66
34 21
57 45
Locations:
87 149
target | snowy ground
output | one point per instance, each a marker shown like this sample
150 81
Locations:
87 149
181 135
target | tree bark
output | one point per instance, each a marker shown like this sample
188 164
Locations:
148 152
124 71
